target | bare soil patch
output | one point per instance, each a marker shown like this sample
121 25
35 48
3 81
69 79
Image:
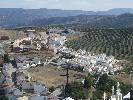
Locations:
50 75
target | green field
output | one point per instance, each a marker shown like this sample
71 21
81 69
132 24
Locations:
116 42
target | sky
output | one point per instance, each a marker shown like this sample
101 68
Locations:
88 5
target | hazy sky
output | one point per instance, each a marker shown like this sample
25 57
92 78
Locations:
67 4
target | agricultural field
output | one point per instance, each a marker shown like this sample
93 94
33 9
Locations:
116 42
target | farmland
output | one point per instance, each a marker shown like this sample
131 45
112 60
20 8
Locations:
116 42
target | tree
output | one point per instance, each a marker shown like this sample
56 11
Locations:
6 58
76 91
88 82
52 88
4 98
105 83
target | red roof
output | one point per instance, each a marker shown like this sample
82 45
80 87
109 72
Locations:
4 38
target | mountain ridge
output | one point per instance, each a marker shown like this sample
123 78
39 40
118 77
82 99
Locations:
98 21
15 17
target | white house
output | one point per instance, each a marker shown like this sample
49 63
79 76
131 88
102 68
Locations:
68 98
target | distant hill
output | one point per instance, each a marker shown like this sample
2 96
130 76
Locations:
15 17
116 11
12 17
99 21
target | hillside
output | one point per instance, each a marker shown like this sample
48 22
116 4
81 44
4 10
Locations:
17 17
99 21
116 42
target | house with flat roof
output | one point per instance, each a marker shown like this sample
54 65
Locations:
38 97
34 87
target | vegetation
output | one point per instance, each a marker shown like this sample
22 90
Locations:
25 17
4 98
88 82
128 68
105 85
6 58
94 91
51 89
116 42
77 91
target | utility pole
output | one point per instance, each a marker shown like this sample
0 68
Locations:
131 91
67 75
67 82
67 66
